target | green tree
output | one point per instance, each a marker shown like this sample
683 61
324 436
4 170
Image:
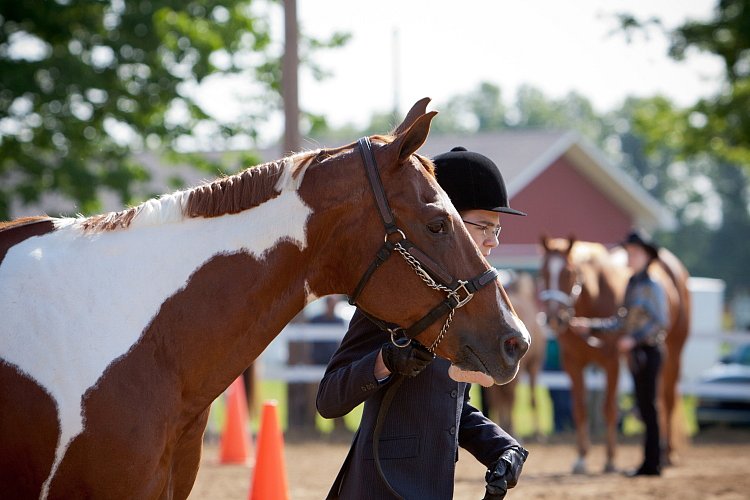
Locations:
84 84
533 109
478 109
710 137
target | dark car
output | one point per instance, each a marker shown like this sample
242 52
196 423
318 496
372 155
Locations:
723 392
739 356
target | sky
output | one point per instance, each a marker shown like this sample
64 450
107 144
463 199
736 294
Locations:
403 50
448 47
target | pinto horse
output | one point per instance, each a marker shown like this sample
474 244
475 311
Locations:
119 330
585 279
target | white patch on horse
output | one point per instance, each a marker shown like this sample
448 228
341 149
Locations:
101 290
513 321
555 265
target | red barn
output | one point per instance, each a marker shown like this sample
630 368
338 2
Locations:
566 186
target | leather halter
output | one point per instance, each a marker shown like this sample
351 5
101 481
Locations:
567 300
458 292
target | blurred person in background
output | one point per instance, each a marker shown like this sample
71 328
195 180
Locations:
644 320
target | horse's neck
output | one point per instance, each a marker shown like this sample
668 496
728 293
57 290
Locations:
203 297
603 287
239 280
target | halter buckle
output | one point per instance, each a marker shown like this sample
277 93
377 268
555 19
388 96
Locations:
400 232
455 293
394 341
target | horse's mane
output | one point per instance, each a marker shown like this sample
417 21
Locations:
582 253
589 258
226 195
589 253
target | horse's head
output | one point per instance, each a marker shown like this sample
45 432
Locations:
409 261
560 282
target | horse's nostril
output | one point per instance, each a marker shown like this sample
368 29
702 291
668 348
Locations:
515 347
511 345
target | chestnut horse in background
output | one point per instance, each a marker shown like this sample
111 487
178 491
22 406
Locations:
501 398
585 279
119 330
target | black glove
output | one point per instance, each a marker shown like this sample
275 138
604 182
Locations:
407 361
504 473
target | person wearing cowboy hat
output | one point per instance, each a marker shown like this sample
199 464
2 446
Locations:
430 416
644 320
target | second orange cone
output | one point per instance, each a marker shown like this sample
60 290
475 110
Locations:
269 478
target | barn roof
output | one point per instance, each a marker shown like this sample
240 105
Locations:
522 155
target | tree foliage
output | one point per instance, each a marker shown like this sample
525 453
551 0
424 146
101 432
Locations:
86 83
707 141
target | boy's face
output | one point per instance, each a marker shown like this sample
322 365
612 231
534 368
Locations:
484 228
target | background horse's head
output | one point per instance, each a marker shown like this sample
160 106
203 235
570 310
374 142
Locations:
483 335
579 278
561 282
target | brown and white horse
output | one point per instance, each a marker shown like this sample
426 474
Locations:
585 279
119 330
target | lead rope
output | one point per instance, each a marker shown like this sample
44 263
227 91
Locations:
384 405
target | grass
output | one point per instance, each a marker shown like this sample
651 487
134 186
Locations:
523 418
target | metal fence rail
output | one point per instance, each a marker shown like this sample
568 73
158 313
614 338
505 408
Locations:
273 361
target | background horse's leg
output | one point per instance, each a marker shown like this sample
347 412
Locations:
610 411
578 393
503 397
533 374
250 377
673 429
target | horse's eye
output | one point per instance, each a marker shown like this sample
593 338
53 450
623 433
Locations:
437 227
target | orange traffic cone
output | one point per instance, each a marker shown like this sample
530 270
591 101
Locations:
269 478
235 443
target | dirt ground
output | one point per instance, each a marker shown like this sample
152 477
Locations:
715 465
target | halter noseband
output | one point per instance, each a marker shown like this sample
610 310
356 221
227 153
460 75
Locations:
566 299
458 292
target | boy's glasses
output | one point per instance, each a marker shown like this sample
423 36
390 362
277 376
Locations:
487 230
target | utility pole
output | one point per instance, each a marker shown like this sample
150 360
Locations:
289 89
396 77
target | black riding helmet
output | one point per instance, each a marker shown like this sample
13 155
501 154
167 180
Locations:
472 181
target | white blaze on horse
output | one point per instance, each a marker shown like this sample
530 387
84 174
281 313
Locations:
118 331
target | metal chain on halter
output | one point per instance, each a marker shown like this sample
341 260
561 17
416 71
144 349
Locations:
414 263
442 332
429 281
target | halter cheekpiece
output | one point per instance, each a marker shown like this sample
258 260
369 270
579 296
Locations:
458 292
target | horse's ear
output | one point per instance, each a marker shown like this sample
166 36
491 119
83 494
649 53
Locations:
410 140
571 242
544 240
419 108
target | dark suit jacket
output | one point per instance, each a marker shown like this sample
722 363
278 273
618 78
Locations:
430 416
